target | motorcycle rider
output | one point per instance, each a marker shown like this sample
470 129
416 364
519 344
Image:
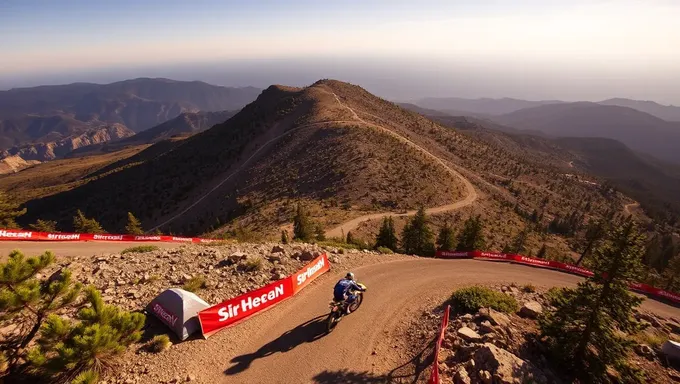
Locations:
342 290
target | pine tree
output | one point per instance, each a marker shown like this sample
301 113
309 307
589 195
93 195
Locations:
44 226
596 230
542 252
134 226
303 229
319 233
101 333
9 211
471 238
417 237
672 273
584 333
82 224
284 237
386 236
26 301
518 245
446 241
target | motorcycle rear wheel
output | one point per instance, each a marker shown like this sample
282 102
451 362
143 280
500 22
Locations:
332 321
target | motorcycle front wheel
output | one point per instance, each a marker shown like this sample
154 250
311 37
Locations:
357 303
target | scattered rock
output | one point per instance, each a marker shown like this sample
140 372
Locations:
236 257
306 256
485 327
278 249
468 334
461 376
274 257
467 317
505 366
495 317
531 309
644 350
484 376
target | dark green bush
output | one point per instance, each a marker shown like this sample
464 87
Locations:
140 249
472 299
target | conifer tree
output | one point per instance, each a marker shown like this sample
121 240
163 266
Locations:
386 236
319 233
518 245
284 237
350 238
542 252
82 224
586 332
417 237
446 241
44 226
26 301
672 273
596 230
134 226
9 211
303 229
102 332
471 238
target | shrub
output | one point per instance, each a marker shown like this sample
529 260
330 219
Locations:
9 211
385 250
86 377
529 288
134 226
471 299
556 295
44 226
159 344
83 224
194 284
253 264
140 249
651 337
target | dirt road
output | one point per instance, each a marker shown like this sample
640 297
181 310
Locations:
287 344
470 192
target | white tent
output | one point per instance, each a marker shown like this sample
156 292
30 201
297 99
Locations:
178 309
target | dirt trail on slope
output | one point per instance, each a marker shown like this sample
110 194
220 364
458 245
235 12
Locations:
470 197
287 344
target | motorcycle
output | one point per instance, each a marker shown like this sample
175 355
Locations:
338 309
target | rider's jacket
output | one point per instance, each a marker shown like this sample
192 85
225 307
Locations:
342 288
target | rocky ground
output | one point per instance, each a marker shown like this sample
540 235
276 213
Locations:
493 347
132 280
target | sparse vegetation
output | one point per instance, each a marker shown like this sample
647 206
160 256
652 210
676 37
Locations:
83 224
446 240
284 237
253 264
44 226
471 299
140 249
384 250
195 284
528 288
9 211
159 343
303 229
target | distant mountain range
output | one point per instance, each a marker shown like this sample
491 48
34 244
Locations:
49 116
493 107
638 130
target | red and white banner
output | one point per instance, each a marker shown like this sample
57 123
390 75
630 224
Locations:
241 307
519 259
21 235
434 376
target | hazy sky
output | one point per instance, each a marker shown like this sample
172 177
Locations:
533 49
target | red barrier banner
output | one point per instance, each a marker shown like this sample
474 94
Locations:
434 376
309 272
21 235
519 259
239 308
234 310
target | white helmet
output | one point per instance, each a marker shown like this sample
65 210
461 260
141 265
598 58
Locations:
349 276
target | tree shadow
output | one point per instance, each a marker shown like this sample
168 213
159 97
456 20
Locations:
409 372
307 332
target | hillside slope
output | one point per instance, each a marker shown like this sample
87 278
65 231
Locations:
665 112
640 131
322 155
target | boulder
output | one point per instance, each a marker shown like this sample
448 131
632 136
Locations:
461 377
274 257
306 256
644 350
468 334
236 257
506 367
648 317
673 326
485 327
484 376
277 249
495 317
531 309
